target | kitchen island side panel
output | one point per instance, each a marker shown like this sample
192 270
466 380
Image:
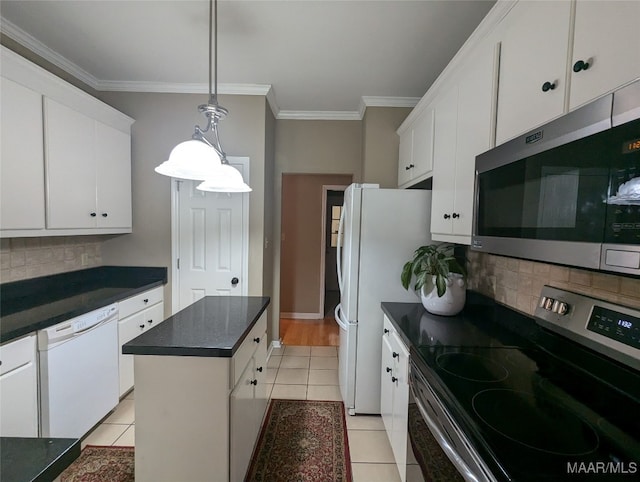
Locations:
182 418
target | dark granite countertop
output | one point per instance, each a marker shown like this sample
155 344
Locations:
483 322
214 326
34 304
36 459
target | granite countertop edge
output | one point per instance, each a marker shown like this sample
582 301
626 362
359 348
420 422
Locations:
53 456
169 349
143 284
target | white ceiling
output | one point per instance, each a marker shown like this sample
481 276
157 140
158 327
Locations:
317 56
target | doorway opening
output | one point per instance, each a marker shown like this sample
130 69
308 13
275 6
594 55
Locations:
308 277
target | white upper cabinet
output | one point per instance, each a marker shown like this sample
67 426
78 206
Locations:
96 160
463 129
66 157
415 156
113 177
607 38
71 169
533 61
444 153
21 157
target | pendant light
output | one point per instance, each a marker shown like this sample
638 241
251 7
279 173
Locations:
200 159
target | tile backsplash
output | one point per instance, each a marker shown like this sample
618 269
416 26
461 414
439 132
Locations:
517 283
24 258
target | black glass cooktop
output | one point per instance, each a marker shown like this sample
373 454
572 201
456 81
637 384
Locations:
536 416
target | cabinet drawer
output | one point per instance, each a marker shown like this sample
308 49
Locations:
248 348
387 328
17 353
137 324
140 302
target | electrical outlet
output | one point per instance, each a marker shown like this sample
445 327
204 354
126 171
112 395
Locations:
84 259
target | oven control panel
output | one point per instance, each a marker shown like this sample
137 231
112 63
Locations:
608 328
617 326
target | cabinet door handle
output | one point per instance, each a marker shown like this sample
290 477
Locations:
386 331
447 216
580 65
141 326
104 215
259 369
547 86
396 355
93 215
146 300
455 215
394 379
149 321
388 370
254 382
257 339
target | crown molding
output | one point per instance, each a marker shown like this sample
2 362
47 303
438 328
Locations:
344 115
373 101
26 40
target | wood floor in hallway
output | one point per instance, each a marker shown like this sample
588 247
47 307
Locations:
310 332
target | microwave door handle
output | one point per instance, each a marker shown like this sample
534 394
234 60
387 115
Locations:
339 250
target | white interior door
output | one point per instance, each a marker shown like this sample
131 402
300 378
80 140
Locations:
210 241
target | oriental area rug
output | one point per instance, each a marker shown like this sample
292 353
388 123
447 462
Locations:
101 464
300 440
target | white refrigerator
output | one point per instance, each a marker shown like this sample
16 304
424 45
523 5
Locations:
379 231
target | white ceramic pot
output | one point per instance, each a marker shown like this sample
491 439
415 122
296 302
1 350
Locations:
451 303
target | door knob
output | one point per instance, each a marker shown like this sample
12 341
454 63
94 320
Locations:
234 281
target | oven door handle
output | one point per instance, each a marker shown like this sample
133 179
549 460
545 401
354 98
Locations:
444 443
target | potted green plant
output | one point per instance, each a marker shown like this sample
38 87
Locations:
439 277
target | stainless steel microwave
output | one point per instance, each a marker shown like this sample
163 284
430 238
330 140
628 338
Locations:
567 192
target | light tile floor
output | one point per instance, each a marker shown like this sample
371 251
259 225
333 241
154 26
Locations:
293 372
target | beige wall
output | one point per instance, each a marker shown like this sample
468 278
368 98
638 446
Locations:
302 242
380 144
161 122
269 197
517 283
311 147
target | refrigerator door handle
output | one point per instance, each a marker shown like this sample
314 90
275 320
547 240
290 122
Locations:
339 318
339 253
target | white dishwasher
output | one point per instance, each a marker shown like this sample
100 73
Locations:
78 372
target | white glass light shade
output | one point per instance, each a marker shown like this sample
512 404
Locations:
192 160
226 179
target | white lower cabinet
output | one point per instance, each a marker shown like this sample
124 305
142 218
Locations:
19 388
198 417
136 315
394 402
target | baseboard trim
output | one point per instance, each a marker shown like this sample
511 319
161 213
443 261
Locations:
303 316
274 345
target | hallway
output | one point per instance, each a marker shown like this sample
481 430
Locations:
323 332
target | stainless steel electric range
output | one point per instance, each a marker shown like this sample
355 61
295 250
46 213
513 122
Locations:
510 399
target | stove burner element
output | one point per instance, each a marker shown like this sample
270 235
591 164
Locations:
472 367
535 422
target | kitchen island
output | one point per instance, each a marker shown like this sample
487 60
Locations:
200 390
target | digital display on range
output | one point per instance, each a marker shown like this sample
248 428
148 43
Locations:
614 325
631 146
